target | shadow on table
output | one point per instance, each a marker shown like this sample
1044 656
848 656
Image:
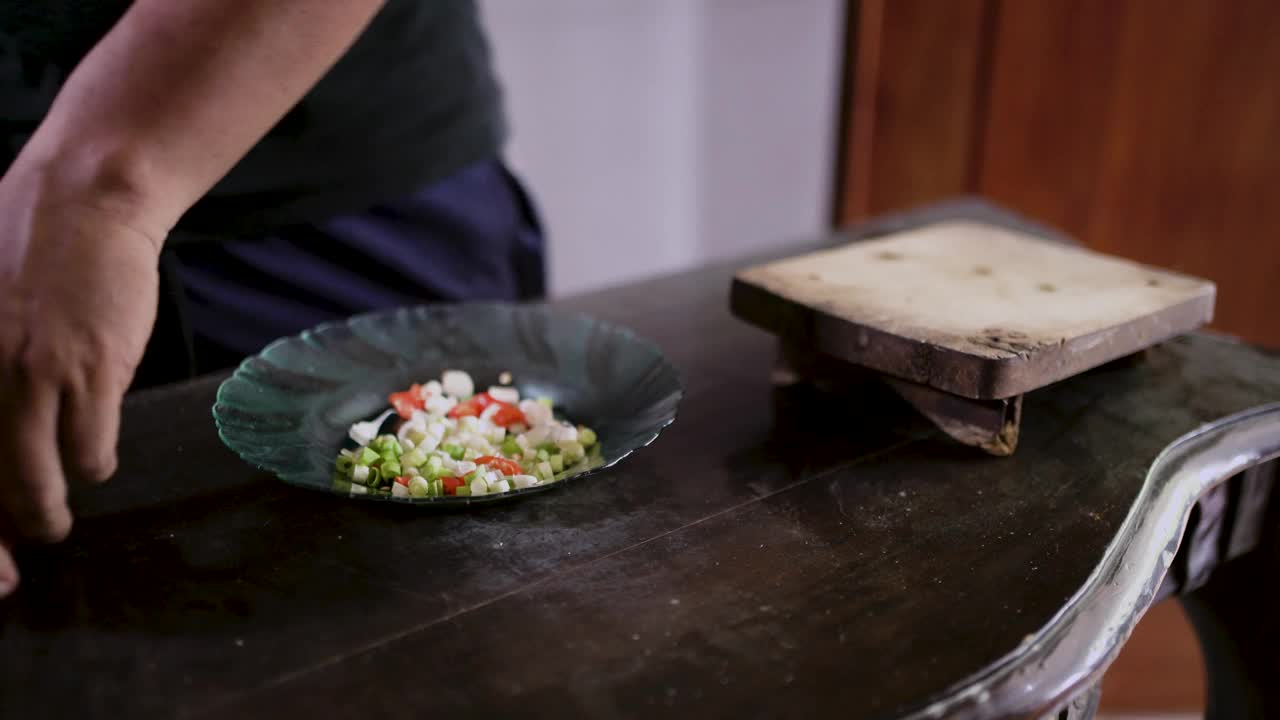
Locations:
193 564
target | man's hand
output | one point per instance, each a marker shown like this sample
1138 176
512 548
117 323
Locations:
78 284
152 117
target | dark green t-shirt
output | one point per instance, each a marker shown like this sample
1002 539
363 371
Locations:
413 101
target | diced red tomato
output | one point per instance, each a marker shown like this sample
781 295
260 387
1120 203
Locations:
405 403
502 465
403 480
451 484
464 409
508 415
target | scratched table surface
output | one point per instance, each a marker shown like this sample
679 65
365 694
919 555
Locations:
775 553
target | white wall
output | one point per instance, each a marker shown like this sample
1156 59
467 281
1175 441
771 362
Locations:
659 134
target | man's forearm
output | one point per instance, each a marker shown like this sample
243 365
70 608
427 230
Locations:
178 92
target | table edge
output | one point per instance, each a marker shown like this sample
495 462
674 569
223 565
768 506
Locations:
1071 652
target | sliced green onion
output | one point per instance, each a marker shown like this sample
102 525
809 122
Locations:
454 451
367 456
387 444
511 447
344 465
391 470
419 487
573 451
557 463
463 491
586 436
414 458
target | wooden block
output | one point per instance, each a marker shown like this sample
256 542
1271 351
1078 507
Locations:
969 308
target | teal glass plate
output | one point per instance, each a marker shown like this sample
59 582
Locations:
287 410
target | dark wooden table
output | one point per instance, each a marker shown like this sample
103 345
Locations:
776 553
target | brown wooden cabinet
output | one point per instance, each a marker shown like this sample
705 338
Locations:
1147 129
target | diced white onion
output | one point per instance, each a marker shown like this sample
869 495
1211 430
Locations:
439 404
507 395
364 432
535 412
538 435
457 383
417 422
432 387
430 442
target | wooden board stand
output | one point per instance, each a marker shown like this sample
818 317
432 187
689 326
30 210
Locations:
962 318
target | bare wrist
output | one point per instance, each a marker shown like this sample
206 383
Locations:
111 183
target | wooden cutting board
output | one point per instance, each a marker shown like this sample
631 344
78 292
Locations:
971 309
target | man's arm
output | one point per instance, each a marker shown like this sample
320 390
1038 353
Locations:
178 92
159 110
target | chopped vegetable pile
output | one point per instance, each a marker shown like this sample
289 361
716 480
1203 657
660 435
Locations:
455 441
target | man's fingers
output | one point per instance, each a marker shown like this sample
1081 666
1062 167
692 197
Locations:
34 499
89 425
8 570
